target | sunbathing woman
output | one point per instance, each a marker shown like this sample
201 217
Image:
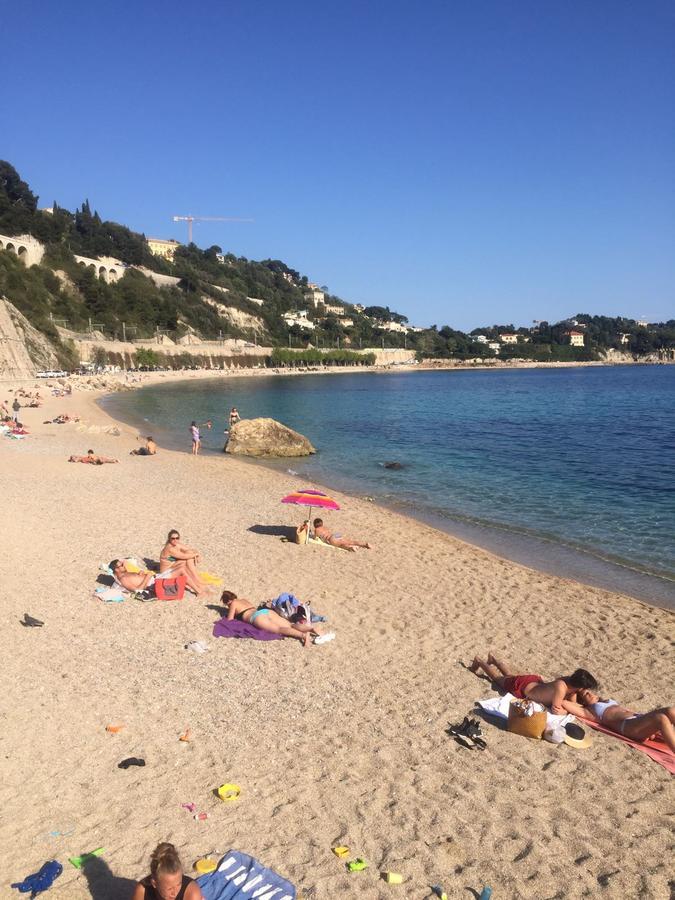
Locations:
180 560
93 458
166 880
265 619
636 726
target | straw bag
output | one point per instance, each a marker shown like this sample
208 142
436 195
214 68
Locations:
530 725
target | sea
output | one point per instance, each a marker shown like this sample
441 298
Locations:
567 470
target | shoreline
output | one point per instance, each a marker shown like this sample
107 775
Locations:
354 732
541 553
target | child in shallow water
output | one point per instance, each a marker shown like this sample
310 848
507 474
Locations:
166 880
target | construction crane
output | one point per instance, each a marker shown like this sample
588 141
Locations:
191 219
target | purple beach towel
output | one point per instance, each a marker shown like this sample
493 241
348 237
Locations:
237 629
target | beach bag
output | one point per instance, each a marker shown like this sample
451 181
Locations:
170 588
289 607
527 719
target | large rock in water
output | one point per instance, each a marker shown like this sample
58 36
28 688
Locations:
265 438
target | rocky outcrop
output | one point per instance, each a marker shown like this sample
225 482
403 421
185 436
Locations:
23 349
266 438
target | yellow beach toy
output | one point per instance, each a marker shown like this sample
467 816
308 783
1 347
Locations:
206 865
341 851
228 792
208 578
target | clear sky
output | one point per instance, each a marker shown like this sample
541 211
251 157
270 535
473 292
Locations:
465 163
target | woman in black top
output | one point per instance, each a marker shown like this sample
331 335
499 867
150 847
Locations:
166 880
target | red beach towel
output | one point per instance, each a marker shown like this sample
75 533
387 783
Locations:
655 750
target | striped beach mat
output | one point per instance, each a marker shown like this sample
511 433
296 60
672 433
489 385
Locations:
240 877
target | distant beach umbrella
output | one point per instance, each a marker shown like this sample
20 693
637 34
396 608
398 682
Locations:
310 498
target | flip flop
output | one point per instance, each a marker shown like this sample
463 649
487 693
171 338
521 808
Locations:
131 761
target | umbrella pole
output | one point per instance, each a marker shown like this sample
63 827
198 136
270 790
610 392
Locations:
309 523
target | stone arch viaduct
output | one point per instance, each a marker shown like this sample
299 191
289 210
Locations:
27 248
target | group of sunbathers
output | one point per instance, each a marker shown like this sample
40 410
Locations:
577 694
175 559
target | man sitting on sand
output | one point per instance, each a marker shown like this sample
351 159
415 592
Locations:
533 687
150 448
336 540
93 458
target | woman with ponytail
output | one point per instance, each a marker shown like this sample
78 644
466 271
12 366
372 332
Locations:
166 880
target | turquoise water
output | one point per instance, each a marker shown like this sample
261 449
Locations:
576 465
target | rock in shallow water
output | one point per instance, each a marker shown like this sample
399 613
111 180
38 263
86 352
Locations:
266 438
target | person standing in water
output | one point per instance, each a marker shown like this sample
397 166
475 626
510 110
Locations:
234 416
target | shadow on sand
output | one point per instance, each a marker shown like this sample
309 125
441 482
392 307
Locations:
103 885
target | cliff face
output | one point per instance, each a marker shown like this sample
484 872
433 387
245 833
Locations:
23 349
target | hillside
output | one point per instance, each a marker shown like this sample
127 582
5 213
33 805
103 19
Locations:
97 275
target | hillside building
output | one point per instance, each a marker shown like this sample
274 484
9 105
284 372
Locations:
576 338
334 308
314 295
508 338
160 247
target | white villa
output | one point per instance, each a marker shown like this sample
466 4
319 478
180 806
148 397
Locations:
299 318
576 338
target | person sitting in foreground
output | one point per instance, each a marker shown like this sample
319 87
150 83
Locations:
150 448
93 458
142 581
336 540
166 880
636 726
533 687
265 619
180 560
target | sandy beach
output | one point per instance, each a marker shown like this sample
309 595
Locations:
339 744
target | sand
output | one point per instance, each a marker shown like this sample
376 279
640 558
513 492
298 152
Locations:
339 744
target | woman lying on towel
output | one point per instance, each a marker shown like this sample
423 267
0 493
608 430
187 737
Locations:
265 619
636 726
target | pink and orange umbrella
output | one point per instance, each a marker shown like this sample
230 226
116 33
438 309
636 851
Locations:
308 497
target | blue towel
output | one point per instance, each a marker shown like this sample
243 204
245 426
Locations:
240 877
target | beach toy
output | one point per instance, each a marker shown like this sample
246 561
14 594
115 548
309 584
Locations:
206 865
392 877
113 729
341 851
186 735
228 792
79 861
357 865
486 893
440 893
41 880
200 817
189 806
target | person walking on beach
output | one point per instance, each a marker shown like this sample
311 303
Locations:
16 406
533 687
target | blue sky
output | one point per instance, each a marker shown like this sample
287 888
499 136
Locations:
463 163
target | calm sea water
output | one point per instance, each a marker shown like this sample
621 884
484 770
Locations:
569 470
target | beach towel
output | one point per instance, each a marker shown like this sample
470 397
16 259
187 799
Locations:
656 750
240 877
324 544
236 629
499 708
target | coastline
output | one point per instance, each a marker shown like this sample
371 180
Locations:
543 553
355 747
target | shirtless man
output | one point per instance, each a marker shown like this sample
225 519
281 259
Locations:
93 458
336 540
150 448
533 687
141 581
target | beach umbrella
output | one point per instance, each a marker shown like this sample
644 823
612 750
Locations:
310 498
